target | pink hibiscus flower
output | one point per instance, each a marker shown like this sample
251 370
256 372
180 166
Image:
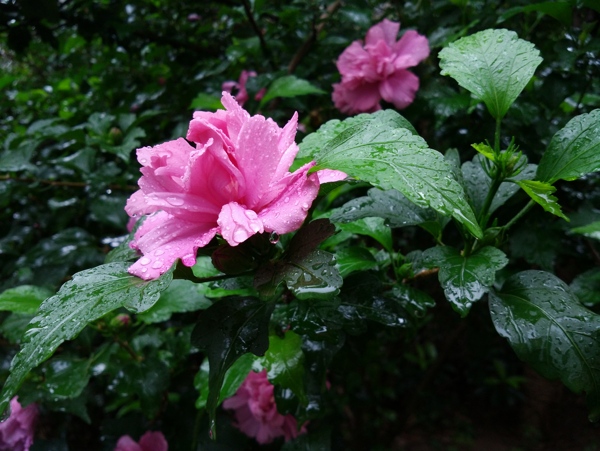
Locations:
377 70
234 181
16 433
256 413
150 441
240 85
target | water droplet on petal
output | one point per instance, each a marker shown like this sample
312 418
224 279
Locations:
144 261
157 264
159 252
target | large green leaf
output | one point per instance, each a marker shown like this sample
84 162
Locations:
549 329
494 65
465 279
573 151
180 296
376 228
591 230
388 156
225 331
88 296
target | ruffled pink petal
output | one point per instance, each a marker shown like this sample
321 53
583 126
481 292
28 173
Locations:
330 175
288 211
238 224
400 88
236 116
258 155
154 441
413 44
126 443
363 99
386 31
350 63
163 238
287 147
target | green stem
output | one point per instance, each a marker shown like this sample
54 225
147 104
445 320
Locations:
497 137
484 216
518 216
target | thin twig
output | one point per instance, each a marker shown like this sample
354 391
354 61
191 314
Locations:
257 30
303 50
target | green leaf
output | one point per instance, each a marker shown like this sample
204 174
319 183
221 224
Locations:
180 296
314 276
88 296
24 299
14 326
206 102
390 205
591 230
586 287
548 328
225 331
477 184
494 65
289 86
573 151
541 193
391 157
318 319
484 150
376 228
353 259
560 10
312 144
66 377
465 279
284 363
235 375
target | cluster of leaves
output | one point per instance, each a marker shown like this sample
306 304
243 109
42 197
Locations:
344 315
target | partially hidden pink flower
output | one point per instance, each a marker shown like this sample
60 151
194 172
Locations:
234 180
378 69
16 433
150 441
241 94
256 413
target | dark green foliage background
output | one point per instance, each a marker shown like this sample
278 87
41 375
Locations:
86 82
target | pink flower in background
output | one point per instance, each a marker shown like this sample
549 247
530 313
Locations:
377 70
16 433
242 95
234 181
150 441
256 413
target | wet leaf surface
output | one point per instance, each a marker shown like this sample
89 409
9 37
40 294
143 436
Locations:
494 65
88 296
549 329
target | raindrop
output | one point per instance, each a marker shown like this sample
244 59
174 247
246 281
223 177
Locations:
157 264
144 261
159 252
176 201
286 200
274 238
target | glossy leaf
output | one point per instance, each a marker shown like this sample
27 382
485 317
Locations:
23 299
180 296
541 193
560 10
465 279
353 259
234 377
494 65
586 287
284 363
88 296
227 330
390 205
549 329
389 156
573 151
376 228
290 86
314 276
